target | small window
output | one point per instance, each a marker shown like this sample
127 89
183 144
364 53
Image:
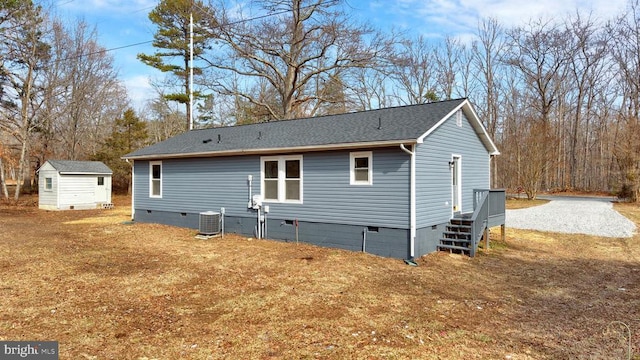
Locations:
155 186
361 168
100 180
282 178
48 183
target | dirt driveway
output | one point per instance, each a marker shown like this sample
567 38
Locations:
573 215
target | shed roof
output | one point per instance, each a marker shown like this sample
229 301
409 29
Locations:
382 127
80 167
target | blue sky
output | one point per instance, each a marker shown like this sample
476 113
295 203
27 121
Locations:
121 23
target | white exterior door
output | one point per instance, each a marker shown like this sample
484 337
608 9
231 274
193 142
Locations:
101 190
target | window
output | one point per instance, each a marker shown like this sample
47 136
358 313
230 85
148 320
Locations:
459 118
48 183
271 180
361 165
282 178
155 185
100 180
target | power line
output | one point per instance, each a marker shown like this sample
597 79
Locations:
206 12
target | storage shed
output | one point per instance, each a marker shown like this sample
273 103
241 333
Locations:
74 185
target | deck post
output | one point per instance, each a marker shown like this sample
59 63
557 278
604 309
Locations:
486 239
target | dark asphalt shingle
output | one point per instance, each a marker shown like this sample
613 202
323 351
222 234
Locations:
88 167
398 123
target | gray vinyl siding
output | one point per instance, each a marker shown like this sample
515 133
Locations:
329 198
48 198
433 176
201 184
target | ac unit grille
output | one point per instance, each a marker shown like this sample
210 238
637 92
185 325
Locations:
209 223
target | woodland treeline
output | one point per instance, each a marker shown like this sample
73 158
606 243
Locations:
559 96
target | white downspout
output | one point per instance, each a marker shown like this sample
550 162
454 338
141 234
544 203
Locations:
412 200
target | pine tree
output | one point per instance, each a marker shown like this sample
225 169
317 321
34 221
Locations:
172 41
128 134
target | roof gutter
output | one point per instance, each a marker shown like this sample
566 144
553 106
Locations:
412 200
263 151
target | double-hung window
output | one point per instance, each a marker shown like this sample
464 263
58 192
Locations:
361 168
282 178
48 183
155 179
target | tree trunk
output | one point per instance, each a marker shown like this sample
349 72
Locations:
25 99
3 183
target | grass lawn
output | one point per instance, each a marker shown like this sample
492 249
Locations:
109 290
522 203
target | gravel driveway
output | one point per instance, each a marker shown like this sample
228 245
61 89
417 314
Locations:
576 215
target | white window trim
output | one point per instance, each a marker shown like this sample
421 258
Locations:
459 118
151 164
352 167
45 184
281 178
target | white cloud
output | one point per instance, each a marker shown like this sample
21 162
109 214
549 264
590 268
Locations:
139 90
459 16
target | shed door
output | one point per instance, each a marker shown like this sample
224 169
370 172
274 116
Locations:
101 190
456 186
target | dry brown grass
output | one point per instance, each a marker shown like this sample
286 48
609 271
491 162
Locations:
108 290
515 203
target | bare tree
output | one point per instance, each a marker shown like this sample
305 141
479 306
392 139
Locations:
164 119
85 94
538 52
23 53
487 59
449 62
587 65
303 43
626 53
413 70
369 88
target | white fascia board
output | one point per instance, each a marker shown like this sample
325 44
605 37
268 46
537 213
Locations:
475 123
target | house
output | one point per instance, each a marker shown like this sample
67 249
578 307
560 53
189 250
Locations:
384 181
69 185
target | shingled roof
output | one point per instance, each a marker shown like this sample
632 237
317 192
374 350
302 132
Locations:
382 127
80 167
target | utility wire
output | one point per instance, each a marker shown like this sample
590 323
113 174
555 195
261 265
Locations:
211 17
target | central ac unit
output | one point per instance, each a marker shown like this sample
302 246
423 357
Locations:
209 223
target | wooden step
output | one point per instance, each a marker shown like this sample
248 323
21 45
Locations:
456 235
453 247
467 240
460 221
459 242
458 226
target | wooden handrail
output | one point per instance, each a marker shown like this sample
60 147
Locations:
487 203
